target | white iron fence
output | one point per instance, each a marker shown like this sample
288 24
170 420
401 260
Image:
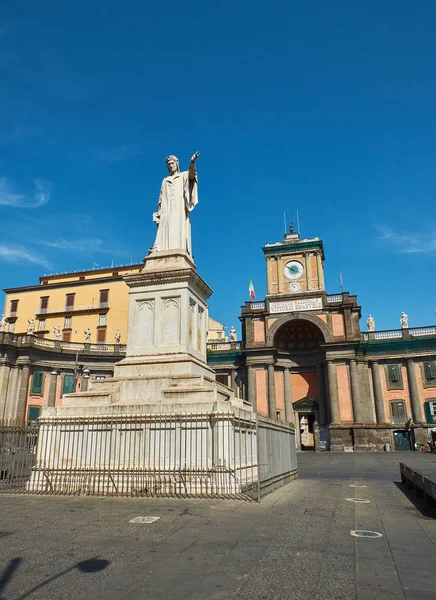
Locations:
224 454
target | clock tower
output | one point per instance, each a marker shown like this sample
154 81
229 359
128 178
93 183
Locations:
294 266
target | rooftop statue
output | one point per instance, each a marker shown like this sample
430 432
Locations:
178 197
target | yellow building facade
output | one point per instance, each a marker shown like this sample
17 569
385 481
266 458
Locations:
64 306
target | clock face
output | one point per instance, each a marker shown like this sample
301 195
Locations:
293 269
295 287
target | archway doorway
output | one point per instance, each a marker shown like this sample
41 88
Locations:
306 411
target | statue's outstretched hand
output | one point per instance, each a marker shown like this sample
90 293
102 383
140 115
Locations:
194 157
156 217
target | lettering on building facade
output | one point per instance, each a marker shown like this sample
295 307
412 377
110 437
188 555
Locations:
295 305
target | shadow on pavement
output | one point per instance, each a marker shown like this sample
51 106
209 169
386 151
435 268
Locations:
92 565
417 501
9 572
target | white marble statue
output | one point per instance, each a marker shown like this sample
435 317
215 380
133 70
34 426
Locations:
370 323
118 337
404 320
178 196
57 332
3 324
87 333
30 326
232 334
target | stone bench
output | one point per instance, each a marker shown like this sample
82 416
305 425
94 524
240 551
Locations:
422 480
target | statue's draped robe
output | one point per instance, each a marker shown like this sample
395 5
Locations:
178 196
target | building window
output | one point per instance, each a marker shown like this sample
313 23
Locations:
222 378
66 336
41 325
68 384
429 372
11 327
67 323
430 410
14 307
69 301
82 278
398 411
44 304
99 377
37 388
33 413
104 297
101 336
394 380
101 320
115 273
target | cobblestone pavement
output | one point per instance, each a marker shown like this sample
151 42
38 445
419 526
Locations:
295 544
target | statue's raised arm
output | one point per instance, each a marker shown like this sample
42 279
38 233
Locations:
178 197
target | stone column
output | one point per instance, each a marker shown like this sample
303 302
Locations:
51 401
380 410
20 412
320 271
306 269
322 412
251 395
271 393
5 369
84 384
333 392
233 382
289 413
415 400
355 393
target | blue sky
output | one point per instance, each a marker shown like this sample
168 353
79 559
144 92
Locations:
325 106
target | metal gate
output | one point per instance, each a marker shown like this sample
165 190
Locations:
17 454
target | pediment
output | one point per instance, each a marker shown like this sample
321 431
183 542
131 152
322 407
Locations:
305 403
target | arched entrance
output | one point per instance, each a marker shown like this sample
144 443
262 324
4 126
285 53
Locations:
299 341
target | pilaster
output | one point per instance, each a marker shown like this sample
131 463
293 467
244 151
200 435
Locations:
415 400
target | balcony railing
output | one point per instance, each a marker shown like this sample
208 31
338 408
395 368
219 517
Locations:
73 309
331 298
257 305
217 346
392 334
12 315
57 345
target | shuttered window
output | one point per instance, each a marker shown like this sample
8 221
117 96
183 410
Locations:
37 388
44 302
430 372
33 413
430 411
398 411
69 384
101 336
394 379
14 306
69 301
104 296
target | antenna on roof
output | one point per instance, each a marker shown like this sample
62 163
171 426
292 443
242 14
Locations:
298 223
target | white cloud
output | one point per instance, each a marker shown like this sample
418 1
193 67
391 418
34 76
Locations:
85 245
408 243
16 254
9 197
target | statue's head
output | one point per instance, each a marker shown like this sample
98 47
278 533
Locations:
172 164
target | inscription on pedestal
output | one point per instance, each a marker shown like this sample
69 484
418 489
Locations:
295 305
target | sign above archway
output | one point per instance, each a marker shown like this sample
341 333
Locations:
298 304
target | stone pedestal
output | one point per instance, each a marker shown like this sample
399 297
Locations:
162 416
